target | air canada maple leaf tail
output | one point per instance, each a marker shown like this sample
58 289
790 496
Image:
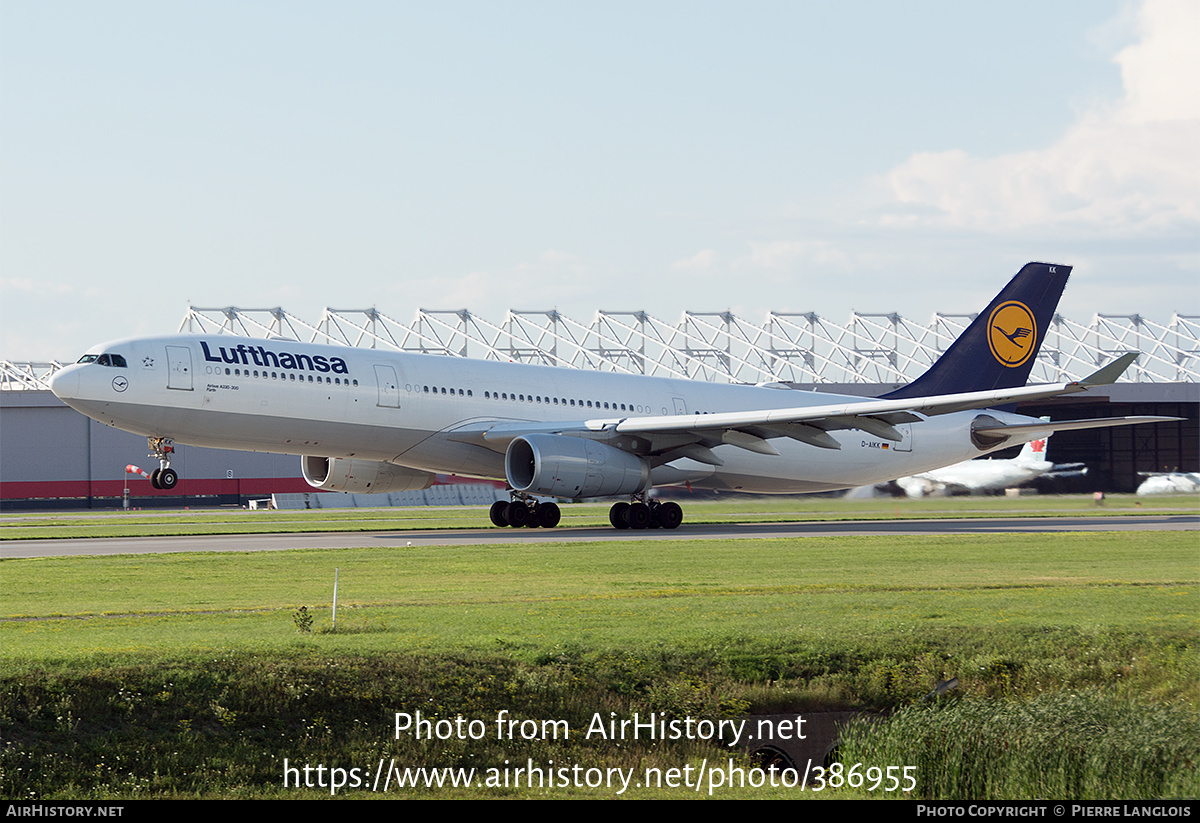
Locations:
998 349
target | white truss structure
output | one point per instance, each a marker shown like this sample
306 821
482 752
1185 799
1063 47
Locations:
712 346
15 376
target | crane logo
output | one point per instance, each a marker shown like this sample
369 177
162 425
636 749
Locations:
1012 333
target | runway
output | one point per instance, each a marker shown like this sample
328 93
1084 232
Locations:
93 547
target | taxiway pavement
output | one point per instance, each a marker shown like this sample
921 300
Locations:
12 549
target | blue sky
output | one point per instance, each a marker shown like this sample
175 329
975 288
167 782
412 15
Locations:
798 156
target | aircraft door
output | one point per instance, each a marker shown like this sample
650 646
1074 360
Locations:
389 387
179 368
906 443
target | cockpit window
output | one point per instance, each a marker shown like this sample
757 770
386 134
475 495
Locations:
116 360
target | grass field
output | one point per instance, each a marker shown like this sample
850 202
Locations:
188 674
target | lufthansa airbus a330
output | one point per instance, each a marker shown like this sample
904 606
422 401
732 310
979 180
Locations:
364 420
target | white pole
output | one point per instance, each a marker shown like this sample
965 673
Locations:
335 577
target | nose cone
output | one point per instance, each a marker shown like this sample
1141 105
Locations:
65 383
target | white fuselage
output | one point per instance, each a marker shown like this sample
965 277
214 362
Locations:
287 397
975 476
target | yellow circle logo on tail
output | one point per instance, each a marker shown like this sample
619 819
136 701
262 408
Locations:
1012 333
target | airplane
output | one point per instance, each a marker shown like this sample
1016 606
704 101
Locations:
365 420
1169 483
972 476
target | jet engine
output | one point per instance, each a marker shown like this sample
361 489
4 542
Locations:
559 466
347 474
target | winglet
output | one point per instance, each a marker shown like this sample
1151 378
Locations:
1111 372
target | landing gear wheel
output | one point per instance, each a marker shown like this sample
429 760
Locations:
497 513
163 478
534 520
517 514
548 515
639 515
618 515
670 515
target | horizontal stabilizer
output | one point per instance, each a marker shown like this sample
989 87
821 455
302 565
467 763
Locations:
1026 429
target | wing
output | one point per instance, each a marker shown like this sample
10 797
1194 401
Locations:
672 436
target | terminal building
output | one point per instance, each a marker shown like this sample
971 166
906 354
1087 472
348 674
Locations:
53 457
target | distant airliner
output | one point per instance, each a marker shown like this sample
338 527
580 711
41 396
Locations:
365 420
972 476
1169 483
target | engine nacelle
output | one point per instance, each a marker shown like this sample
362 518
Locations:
559 466
347 474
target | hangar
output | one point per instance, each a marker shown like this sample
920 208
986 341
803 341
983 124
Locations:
51 456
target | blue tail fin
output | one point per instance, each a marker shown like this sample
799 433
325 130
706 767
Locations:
998 349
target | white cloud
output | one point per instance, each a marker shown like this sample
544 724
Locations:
551 278
699 262
446 293
1129 168
1161 73
789 256
40 288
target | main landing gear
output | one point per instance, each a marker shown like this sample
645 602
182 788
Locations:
163 477
639 514
525 512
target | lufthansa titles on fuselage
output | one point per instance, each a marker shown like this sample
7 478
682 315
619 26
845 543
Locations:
262 356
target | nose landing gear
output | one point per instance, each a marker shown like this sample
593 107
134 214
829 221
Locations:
164 477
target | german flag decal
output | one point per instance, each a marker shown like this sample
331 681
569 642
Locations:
1012 333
